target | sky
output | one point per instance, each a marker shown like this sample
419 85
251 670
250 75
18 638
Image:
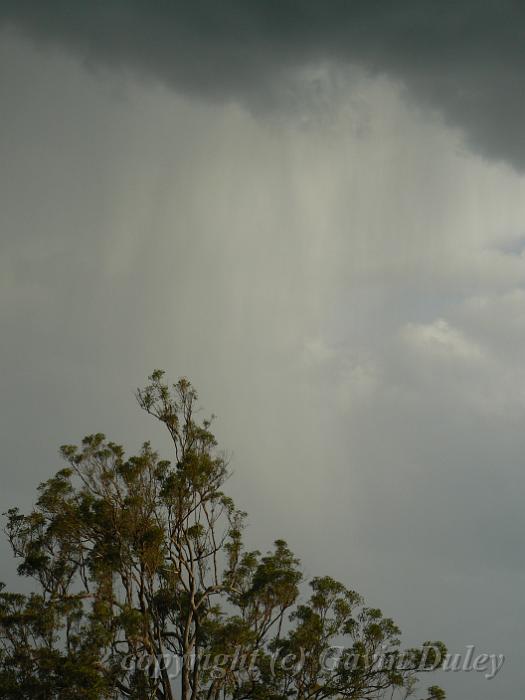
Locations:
316 211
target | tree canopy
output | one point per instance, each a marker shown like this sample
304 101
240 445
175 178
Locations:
143 588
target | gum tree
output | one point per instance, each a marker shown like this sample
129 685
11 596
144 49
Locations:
144 589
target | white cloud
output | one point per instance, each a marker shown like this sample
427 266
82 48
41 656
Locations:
357 382
440 340
317 352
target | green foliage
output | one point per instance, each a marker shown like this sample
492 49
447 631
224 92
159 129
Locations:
137 559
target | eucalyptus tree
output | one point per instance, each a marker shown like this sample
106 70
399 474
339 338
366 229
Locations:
143 588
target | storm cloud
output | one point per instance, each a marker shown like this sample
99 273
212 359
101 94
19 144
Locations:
269 198
465 59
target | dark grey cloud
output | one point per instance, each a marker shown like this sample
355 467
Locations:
348 301
464 58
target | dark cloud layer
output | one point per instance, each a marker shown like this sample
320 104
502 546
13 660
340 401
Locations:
465 58
347 297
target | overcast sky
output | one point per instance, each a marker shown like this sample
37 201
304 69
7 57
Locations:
316 211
